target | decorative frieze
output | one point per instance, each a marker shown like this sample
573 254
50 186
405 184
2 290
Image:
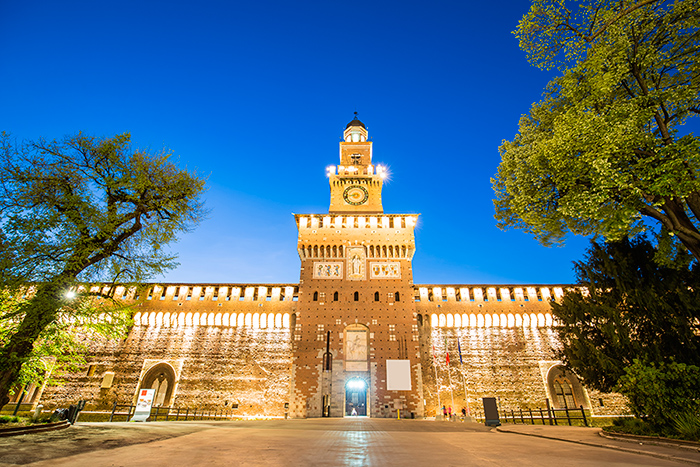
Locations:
328 270
385 270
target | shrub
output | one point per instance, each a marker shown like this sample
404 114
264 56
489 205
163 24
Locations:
661 392
8 419
687 425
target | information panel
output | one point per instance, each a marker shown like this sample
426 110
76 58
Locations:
398 375
143 405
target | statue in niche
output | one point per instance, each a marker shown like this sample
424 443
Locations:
356 264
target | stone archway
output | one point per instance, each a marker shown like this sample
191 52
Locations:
565 389
160 377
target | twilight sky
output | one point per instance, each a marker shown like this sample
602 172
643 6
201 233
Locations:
255 95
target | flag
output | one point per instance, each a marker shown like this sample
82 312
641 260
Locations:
459 349
447 352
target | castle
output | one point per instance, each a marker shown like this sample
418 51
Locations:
355 336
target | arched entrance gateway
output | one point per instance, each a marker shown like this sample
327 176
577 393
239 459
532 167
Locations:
356 374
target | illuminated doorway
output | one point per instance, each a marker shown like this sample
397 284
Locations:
356 398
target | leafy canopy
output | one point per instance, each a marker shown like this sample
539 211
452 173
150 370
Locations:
631 308
80 210
604 149
91 209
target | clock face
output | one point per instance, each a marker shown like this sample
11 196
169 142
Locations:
355 195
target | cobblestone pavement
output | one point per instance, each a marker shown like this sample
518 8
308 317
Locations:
317 442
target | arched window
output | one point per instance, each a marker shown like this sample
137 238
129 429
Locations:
376 296
315 296
357 296
335 296
160 377
396 297
565 388
564 393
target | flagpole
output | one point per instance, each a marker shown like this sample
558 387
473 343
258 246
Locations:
449 374
437 382
464 378
466 394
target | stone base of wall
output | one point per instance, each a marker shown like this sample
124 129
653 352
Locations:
221 367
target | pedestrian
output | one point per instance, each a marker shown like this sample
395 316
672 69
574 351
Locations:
449 411
444 412
464 413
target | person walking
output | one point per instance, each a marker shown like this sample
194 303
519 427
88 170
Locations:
444 412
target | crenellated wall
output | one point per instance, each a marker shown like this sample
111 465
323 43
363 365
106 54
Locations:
232 344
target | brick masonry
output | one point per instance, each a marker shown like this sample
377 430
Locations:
258 347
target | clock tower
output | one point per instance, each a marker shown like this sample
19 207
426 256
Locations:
356 184
354 330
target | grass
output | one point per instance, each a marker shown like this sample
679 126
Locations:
13 421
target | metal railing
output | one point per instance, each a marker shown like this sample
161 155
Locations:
545 416
171 413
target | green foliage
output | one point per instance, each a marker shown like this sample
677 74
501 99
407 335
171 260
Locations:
8 419
604 149
632 426
61 346
78 211
687 425
631 308
663 393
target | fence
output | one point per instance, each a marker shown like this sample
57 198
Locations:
548 415
172 414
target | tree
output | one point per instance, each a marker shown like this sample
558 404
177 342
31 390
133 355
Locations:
630 308
604 150
82 210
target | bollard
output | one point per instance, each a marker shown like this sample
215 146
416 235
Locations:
37 412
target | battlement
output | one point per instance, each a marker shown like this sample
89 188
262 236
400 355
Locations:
485 306
490 293
334 222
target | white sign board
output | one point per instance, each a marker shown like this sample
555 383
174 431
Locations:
398 375
143 405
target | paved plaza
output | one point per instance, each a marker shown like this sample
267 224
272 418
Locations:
328 442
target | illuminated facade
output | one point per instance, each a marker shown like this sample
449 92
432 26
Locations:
355 336
356 333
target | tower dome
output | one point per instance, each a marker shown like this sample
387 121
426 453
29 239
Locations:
355 131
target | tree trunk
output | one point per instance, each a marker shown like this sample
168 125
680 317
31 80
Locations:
39 312
674 218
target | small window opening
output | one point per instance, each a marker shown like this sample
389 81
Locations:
356 296
335 296
315 296
376 296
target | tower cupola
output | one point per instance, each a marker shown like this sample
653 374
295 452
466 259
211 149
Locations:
355 131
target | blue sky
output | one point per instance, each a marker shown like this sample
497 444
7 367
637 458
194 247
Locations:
255 95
